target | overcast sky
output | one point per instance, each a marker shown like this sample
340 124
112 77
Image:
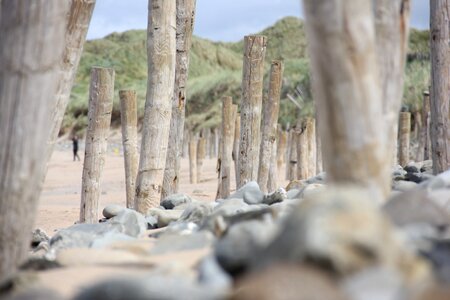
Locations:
218 20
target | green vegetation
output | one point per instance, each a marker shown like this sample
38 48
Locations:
216 71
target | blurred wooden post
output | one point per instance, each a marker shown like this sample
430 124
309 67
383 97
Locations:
270 110
404 138
128 116
227 146
207 136
341 41
440 85
427 115
291 166
311 138
193 161
237 132
424 136
216 142
161 53
185 11
101 94
302 151
319 163
185 151
252 86
273 168
201 155
281 147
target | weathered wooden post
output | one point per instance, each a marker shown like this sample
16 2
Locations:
423 151
404 138
273 168
252 86
271 107
440 85
161 52
185 11
291 166
29 74
79 18
193 161
311 141
237 132
319 163
101 94
185 151
341 40
227 146
128 117
281 147
201 155
302 151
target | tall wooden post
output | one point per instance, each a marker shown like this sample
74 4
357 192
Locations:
311 138
424 135
77 26
201 155
227 146
252 86
185 25
158 106
426 115
101 94
273 168
341 40
29 74
128 117
271 107
404 138
440 84
237 132
193 161
303 151
291 166
319 163
281 147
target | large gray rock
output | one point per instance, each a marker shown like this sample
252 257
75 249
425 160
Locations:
174 242
211 274
175 200
403 186
196 212
278 196
165 217
38 236
235 250
250 193
134 223
112 210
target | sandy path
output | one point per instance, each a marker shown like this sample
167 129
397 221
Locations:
60 198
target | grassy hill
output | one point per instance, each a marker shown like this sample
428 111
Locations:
216 70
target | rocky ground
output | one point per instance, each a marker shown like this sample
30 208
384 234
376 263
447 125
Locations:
308 241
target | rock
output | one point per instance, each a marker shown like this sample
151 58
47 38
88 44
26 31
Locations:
278 196
112 210
427 167
134 223
296 184
439 255
403 186
196 212
36 294
174 242
211 274
415 207
321 230
111 238
414 177
175 200
293 194
398 171
149 287
38 236
181 228
288 282
311 188
375 284
253 197
234 250
252 188
152 222
319 178
165 217
441 181
411 169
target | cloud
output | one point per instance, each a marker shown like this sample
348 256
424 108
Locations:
218 20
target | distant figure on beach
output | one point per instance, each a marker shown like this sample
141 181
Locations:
75 148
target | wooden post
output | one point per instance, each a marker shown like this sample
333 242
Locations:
207 135
237 132
101 94
311 142
128 117
29 75
392 31
185 10
77 26
201 155
404 138
185 152
302 151
271 107
227 146
158 107
292 163
281 147
440 85
341 41
216 142
273 168
193 161
426 121
252 86
319 163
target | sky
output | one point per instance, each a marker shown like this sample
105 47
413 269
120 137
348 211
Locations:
217 20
